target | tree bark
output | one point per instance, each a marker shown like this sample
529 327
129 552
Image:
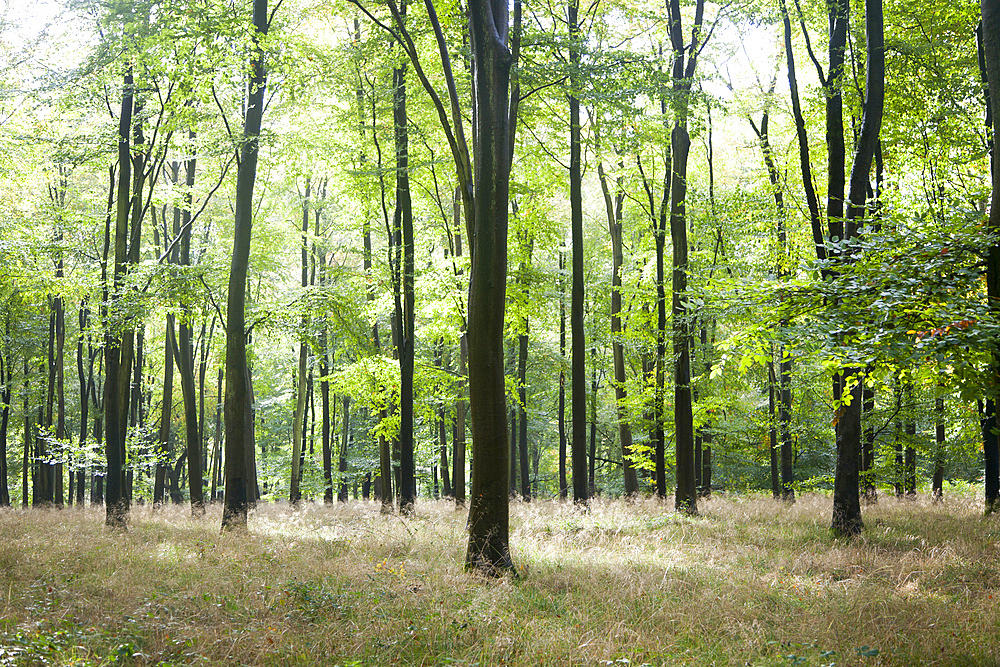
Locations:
6 385
563 481
342 458
846 500
403 222
241 478
116 507
185 360
937 483
578 378
686 495
990 63
489 527
614 209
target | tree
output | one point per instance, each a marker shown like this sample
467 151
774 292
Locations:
241 477
990 35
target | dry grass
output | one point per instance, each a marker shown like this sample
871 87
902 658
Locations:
750 581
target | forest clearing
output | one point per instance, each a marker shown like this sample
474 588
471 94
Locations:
749 581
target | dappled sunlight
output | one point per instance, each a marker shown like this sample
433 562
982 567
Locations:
742 581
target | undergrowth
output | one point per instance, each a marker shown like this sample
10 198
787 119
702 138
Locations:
749 581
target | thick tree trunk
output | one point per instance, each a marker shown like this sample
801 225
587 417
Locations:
241 477
403 221
846 500
686 495
990 62
489 527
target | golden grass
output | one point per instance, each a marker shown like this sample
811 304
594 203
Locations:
750 581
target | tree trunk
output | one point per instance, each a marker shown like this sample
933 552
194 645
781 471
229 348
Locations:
342 461
298 423
990 63
772 431
163 442
241 486
686 495
116 508
489 527
937 483
442 430
614 211
868 489
26 445
403 221
458 460
185 360
578 378
563 481
846 500
522 395
327 435
6 384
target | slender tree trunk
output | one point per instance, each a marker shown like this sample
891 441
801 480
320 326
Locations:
298 425
578 376
563 481
217 449
327 434
910 453
185 360
772 431
26 459
342 462
442 430
522 394
241 477
458 460
85 380
614 212
163 442
116 507
937 483
868 489
6 384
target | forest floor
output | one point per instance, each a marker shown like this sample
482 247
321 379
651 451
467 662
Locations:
748 582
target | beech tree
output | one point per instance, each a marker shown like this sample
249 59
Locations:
241 468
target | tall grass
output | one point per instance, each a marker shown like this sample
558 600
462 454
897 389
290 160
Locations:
749 581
